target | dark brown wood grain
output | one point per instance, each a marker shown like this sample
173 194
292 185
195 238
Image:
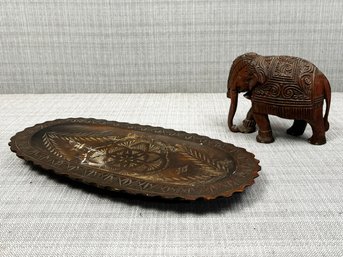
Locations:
146 160
285 86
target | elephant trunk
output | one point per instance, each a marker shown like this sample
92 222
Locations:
233 108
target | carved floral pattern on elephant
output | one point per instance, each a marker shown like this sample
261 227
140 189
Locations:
284 77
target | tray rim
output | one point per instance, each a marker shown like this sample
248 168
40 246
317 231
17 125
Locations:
193 137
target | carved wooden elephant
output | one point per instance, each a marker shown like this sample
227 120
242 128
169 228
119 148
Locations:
285 86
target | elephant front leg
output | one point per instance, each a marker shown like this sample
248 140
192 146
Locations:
297 128
248 125
265 134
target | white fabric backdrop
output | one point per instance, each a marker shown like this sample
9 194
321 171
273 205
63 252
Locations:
294 208
69 46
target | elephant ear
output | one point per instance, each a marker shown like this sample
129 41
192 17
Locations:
253 81
259 69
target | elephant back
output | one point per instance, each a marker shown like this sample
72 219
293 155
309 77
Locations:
286 83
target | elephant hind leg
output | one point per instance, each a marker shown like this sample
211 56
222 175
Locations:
297 128
318 128
317 140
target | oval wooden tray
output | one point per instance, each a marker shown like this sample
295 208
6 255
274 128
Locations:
137 159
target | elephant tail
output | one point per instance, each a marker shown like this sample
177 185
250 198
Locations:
327 96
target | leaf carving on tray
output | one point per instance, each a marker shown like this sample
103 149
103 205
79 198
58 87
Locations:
136 157
210 166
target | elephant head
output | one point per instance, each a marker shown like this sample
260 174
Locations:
243 77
